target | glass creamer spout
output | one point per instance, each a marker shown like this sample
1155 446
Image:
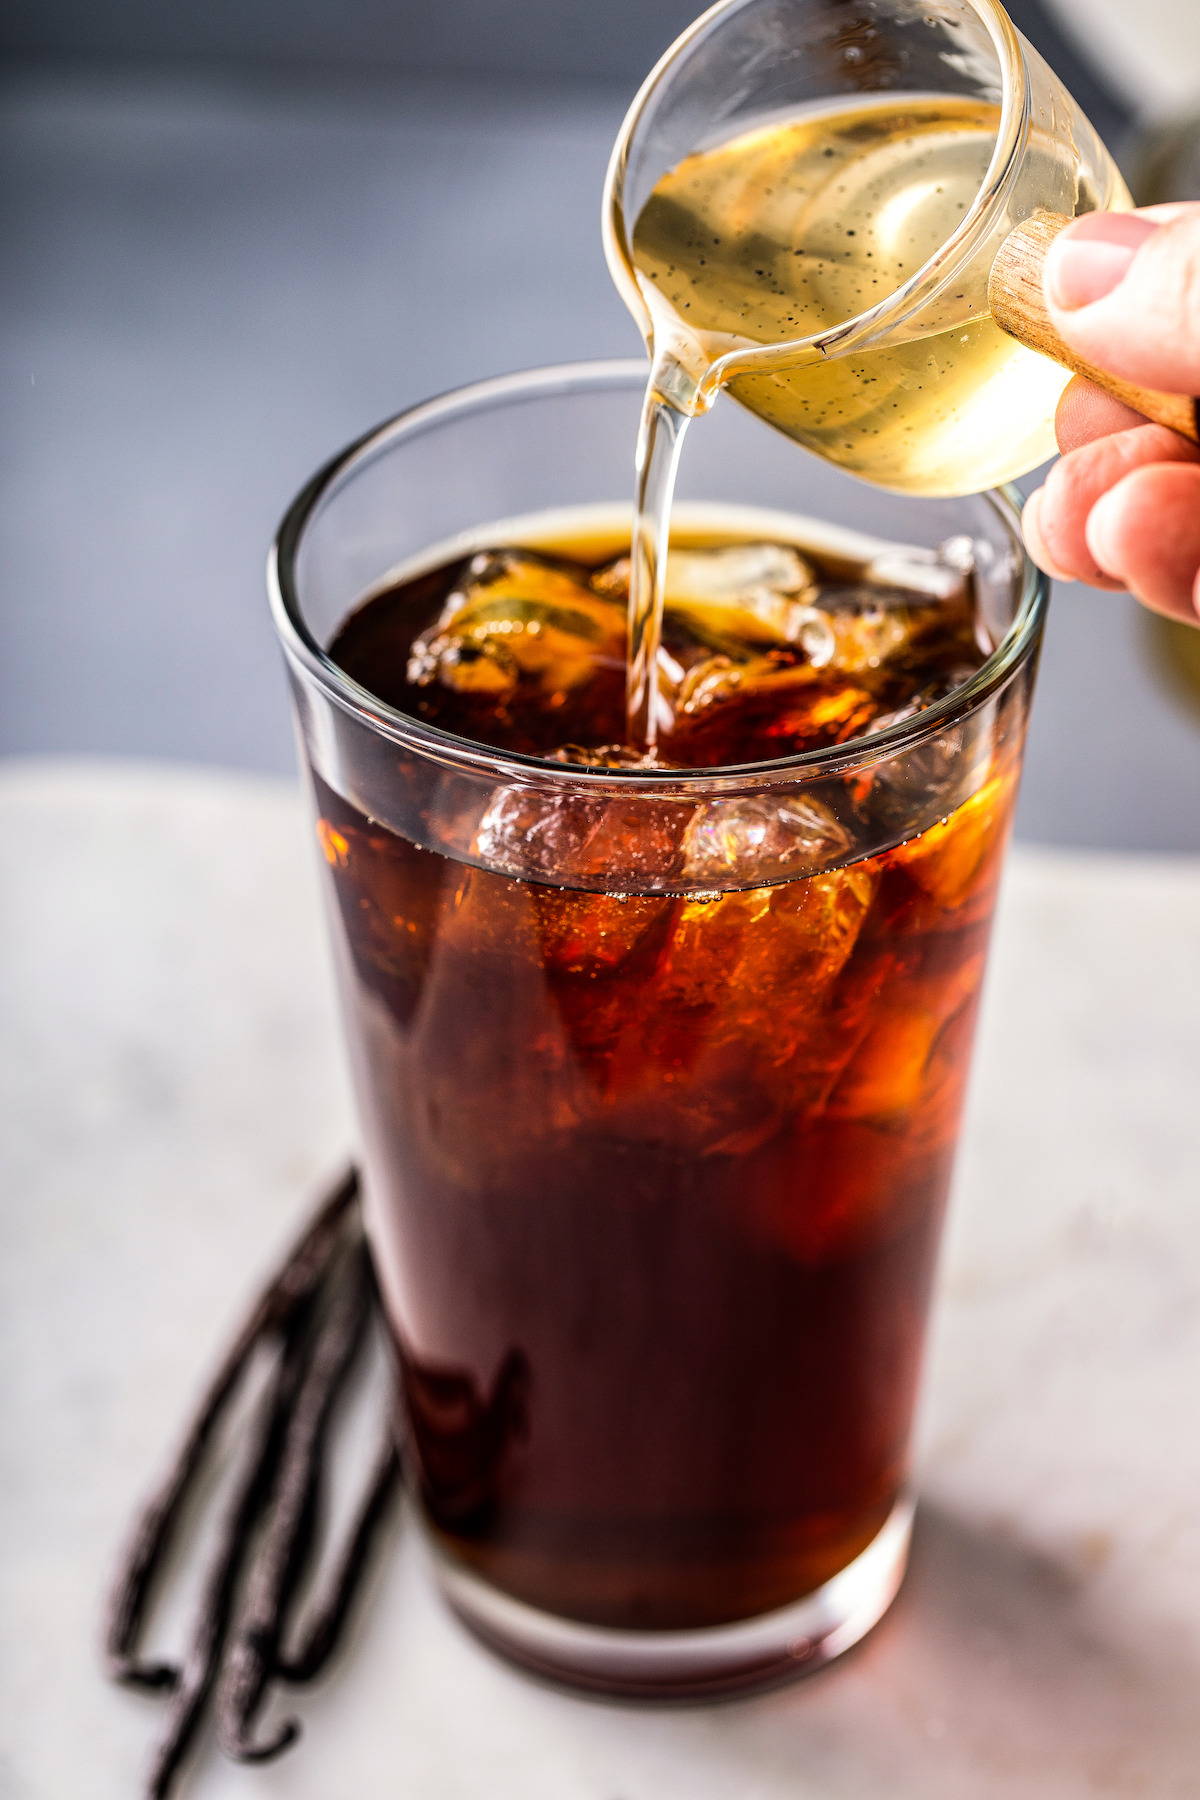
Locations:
808 216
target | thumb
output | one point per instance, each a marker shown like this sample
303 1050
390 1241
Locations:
1124 291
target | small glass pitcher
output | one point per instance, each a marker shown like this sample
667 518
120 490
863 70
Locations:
920 392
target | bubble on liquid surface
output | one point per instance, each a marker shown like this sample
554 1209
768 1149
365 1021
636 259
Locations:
757 837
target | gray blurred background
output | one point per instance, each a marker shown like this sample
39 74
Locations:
235 235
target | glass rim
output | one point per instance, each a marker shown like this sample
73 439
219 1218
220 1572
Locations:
940 268
309 659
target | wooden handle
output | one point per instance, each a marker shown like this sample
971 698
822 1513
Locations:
1018 307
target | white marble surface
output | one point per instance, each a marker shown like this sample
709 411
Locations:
171 1093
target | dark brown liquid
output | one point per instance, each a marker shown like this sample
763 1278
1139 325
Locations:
569 687
657 1181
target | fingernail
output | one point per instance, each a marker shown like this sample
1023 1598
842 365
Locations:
1092 256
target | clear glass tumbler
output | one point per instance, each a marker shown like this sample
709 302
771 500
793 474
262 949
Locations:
659 1072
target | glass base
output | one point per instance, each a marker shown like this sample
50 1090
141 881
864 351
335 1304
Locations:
684 1665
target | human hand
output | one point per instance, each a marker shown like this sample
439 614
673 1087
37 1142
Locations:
1122 507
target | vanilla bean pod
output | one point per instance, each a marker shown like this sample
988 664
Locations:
251 1660
324 1625
261 1451
306 1264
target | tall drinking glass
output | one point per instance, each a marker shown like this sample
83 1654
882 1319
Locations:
659 1072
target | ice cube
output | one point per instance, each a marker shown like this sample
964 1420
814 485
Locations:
516 616
956 858
737 572
607 756
941 574
579 839
944 684
716 678
759 837
738 1008
866 634
736 598
758 620
905 600
771 706
592 935
896 1067
390 895
876 629
729 573
938 772
526 831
